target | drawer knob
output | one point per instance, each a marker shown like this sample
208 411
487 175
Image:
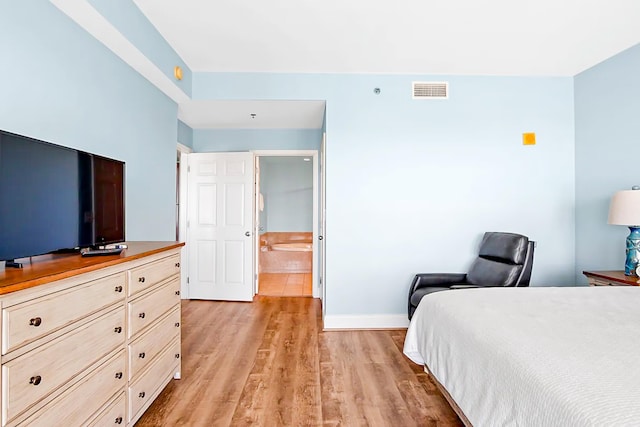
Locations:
118 329
177 265
141 394
141 279
119 420
118 288
36 321
35 380
177 355
177 292
141 315
118 375
142 355
177 324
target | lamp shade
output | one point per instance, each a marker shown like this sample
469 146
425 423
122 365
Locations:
625 208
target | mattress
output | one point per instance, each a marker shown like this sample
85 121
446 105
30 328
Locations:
565 356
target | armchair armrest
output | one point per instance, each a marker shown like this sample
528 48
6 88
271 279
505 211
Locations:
464 286
423 280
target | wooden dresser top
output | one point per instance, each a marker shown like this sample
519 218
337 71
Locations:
615 275
49 268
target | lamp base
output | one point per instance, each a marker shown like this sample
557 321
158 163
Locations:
633 252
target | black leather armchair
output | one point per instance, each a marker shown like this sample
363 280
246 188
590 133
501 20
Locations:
504 259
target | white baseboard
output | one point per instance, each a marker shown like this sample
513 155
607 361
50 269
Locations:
380 321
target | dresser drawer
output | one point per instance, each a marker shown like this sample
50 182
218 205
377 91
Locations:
145 276
148 308
155 377
80 402
33 375
114 415
143 350
28 321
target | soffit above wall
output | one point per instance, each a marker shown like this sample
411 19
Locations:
213 114
207 114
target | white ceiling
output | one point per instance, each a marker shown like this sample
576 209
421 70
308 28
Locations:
212 114
490 37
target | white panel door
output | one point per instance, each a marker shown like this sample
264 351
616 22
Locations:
220 236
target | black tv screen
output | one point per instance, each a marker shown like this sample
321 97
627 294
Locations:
55 198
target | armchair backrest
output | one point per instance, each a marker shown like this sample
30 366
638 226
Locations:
504 259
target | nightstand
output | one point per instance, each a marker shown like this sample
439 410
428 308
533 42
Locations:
610 278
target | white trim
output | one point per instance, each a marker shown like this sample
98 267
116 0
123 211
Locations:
95 24
284 153
184 149
256 225
182 226
367 321
322 260
317 292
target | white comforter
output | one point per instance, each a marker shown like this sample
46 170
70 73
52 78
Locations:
534 356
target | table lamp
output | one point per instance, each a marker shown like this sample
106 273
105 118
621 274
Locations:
625 210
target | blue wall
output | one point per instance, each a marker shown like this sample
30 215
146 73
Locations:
412 185
286 184
61 85
185 134
208 140
607 100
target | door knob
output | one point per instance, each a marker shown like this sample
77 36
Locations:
248 234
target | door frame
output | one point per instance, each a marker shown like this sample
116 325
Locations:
322 197
317 291
182 216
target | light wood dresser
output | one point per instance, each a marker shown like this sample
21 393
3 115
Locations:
89 341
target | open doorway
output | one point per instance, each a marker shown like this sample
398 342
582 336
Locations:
286 217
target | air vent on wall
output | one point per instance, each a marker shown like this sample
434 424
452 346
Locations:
430 90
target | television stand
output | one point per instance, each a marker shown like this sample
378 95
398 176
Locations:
11 263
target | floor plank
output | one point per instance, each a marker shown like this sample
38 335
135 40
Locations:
268 363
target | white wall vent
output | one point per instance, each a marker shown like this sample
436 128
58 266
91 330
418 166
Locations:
430 90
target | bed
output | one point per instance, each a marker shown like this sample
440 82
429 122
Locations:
533 356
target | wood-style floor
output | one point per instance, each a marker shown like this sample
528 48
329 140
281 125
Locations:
285 284
268 363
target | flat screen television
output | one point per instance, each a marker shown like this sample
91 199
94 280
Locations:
54 198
